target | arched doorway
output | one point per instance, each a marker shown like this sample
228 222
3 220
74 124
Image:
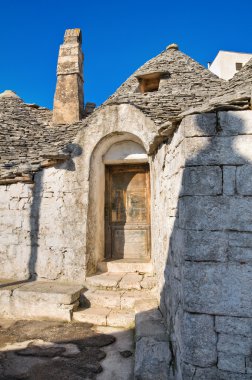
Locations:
115 157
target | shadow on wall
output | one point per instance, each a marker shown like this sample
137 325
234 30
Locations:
208 269
73 150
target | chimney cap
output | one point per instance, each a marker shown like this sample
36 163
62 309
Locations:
172 46
73 35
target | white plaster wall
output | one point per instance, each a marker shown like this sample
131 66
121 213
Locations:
224 64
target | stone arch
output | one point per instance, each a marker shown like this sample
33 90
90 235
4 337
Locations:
114 148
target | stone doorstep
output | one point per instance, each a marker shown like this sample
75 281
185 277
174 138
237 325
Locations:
119 299
124 266
103 316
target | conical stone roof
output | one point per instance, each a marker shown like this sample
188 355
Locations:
241 81
184 83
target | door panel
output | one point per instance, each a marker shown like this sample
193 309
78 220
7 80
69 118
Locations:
127 215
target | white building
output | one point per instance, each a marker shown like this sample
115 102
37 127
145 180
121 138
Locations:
227 63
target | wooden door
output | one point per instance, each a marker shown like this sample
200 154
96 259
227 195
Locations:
127 211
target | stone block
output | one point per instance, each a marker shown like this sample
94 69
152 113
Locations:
215 374
234 325
240 239
234 344
152 359
104 280
9 239
249 364
49 292
218 288
235 122
145 305
188 371
131 298
240 254
151 328
97 316
148 282
244 179
103 298
229 184
131 281
215 213
205 246
199 125
218 150
121 318
150 324
232 363
202 180
199 340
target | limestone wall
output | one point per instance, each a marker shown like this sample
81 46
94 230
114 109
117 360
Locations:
42 229
203 244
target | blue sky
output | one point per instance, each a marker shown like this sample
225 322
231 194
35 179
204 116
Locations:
118 37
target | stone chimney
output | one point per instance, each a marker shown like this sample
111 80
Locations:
69 98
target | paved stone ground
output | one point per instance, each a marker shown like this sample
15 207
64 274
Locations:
42 350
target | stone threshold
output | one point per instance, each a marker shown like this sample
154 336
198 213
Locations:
125 265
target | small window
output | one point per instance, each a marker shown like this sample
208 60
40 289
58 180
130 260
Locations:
148 82
238 66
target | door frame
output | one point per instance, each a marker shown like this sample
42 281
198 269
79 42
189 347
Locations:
145 167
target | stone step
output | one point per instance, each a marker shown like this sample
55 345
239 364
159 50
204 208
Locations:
122 281
125 266
103 316
39 299
152 353
119 299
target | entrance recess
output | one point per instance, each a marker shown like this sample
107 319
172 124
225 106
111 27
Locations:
127 212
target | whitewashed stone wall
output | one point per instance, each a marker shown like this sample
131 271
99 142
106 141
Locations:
15 205
53 229
202 242
42 227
